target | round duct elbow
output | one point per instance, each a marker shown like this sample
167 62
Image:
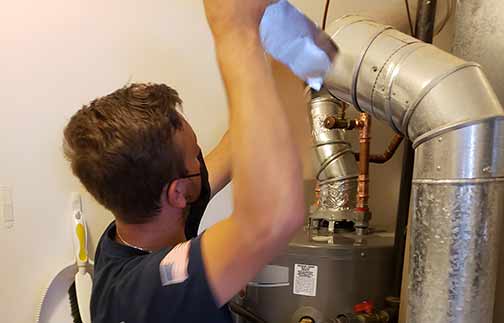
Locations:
420 90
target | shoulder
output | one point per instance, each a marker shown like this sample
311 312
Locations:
173 276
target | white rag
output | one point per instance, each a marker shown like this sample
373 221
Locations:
293 39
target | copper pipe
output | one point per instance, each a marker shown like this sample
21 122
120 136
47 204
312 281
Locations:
388 154
333 122
364 125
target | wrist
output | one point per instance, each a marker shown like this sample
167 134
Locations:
238 38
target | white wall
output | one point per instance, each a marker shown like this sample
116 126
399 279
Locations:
56 55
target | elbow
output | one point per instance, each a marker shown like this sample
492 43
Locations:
276 225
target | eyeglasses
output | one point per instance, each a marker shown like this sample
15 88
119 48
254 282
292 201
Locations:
182 177
191 175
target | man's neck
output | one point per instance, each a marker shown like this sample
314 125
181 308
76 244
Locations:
164 230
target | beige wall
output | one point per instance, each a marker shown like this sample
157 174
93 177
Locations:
56 55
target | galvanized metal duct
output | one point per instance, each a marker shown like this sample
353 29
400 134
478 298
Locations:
479 35
448 109
337 173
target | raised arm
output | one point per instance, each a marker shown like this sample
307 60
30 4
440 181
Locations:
218 162
267 180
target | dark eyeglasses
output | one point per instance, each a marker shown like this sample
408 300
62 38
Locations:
182 177
191 175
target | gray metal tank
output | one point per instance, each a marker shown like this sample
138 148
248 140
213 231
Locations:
320 277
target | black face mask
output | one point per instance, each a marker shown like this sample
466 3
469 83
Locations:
198 207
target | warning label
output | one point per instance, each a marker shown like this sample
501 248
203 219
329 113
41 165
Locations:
305 280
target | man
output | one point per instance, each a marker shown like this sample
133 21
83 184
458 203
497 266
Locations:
140 159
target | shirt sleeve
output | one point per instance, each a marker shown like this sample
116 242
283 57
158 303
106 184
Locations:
172 285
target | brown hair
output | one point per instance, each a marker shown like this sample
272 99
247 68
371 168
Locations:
122 148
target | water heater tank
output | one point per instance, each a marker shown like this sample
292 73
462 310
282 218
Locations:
320 277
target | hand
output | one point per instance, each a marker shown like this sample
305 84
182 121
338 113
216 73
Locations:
227 17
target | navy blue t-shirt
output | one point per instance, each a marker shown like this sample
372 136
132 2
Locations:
132 286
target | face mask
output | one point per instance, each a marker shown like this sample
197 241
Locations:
194 211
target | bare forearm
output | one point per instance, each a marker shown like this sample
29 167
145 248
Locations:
268 202
265 160
219 165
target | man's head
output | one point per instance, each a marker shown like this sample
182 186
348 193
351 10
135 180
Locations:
129 147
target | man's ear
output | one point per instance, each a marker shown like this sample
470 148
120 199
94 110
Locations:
177 194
